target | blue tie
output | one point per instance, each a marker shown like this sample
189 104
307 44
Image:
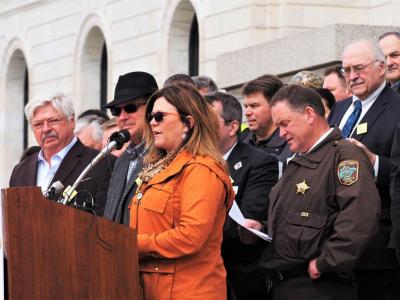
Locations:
352 120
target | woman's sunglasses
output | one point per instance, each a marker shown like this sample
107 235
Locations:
129 109
159 116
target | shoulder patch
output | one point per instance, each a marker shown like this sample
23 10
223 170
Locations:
348 172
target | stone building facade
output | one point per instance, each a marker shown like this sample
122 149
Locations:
80 47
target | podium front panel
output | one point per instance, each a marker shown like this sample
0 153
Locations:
59 252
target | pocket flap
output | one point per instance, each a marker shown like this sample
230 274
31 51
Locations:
157 266
156 197
308 219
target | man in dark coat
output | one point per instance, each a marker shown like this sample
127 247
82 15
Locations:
325 208
369 120
253 172
390 45
264 135
128 106
62 156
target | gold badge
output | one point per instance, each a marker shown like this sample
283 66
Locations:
348 172
302 187
362 128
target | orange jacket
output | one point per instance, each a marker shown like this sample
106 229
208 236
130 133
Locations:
179 216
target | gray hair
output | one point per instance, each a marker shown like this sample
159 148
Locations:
373 46
58 100
95 123
394 33
205 82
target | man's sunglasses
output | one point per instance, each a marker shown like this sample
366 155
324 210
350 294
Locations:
129 109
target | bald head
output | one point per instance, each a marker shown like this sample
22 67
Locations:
364 67
367 47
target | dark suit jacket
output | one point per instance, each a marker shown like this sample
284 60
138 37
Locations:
381 119
254 172
95 184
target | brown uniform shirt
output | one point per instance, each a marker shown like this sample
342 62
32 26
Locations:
325 206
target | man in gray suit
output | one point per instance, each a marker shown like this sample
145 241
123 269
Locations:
130 98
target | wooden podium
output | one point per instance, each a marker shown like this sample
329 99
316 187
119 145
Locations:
58 252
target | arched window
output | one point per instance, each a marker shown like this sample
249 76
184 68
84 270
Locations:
16 96
194 48
26 99
17 93
94 67
103 76
183 41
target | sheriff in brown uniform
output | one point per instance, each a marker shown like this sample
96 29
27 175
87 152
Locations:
325 208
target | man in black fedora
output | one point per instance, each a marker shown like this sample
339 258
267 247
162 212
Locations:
130 98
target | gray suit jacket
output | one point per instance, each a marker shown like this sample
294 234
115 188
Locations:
120 192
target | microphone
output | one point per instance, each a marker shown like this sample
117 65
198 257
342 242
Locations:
117 140
55 190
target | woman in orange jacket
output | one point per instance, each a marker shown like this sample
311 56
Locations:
182 199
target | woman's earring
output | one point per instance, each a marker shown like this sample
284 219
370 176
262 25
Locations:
184 136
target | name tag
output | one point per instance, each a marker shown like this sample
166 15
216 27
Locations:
362 128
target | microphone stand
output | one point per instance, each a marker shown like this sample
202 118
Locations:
117 140
99 156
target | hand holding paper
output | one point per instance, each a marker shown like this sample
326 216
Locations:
238 217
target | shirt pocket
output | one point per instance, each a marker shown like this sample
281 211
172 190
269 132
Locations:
156 279
305 232
156 198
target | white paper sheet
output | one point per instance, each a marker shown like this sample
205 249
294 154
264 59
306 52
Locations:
237 216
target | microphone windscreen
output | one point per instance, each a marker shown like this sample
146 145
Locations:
126 135
58 186
120 137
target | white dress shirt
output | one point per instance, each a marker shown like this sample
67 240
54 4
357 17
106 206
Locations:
46 172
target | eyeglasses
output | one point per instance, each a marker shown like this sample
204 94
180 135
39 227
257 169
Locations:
226 122
358 69
159 116
129 109
54 122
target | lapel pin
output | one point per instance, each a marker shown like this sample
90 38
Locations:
238 165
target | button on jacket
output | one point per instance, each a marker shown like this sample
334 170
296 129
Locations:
179 217
317 210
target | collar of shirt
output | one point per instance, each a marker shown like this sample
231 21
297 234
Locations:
272 141
366 105
323 137
45 171
135 150
226 155
61 154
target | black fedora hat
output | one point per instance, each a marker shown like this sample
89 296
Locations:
131 86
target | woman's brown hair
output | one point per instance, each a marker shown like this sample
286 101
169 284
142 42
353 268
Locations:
202 137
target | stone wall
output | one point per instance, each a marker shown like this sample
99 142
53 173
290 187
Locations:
59 44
